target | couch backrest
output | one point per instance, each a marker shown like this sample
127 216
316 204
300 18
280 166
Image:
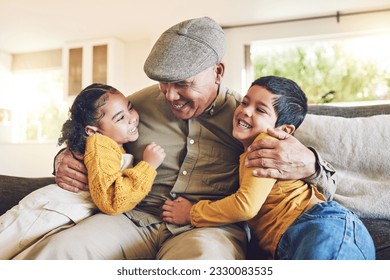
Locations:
350 111
356 142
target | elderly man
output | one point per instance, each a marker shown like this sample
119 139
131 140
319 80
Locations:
189 114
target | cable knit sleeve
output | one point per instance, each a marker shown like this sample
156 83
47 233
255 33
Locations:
240 206
112 190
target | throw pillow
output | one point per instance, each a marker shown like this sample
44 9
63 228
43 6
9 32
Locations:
359 150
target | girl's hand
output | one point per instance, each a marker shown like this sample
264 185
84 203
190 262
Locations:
154 155
177 211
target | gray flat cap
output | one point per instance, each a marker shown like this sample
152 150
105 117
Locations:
186 49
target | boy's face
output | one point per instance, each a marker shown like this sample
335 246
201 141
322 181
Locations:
120 121
254 115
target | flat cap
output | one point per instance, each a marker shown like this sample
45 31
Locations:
186 49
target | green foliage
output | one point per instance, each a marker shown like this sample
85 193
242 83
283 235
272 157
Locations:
47 110
49 120
326 73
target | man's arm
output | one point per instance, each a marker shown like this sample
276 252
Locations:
324 177
290 159
70 171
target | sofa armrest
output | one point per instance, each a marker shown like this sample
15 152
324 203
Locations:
13 189
379 230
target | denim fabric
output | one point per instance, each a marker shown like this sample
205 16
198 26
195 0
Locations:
327 231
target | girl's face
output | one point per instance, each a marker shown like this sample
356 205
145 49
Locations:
120 121
254 115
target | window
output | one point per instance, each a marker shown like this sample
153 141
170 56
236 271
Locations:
326 54
38 106
329 69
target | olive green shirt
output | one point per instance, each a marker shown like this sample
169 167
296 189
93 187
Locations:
202 155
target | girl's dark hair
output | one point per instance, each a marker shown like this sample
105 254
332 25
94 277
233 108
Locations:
291 102
84 111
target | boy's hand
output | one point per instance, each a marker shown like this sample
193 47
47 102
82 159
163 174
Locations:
177 211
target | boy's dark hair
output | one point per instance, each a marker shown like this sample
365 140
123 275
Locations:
84 111
291 102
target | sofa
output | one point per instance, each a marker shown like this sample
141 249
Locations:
355 140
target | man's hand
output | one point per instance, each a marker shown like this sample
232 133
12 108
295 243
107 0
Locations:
71 173
284 159
177 211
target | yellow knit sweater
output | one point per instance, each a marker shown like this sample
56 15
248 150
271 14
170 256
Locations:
112 190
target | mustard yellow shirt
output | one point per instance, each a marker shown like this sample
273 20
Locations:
270 206
112 190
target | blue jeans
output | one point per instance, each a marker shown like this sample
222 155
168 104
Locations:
327 231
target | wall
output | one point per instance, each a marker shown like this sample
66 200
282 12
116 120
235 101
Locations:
37 60
27 159
5 68
136 54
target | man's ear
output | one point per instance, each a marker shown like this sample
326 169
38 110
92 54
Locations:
220 70
90 130
288 128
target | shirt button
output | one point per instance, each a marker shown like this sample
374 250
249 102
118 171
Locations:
173 194
192 141
184 172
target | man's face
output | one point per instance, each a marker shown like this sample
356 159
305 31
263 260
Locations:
191 97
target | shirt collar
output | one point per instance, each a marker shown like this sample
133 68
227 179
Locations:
218 102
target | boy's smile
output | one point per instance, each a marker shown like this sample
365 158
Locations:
254 115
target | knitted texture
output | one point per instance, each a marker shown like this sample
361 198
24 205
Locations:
112 190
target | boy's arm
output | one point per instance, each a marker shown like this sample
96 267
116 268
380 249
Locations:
240 206
112 190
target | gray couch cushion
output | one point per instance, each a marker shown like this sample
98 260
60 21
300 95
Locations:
359 149
13 189
349 111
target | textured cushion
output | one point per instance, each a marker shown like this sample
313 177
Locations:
359 149
350 111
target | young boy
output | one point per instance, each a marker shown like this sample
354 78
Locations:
290 218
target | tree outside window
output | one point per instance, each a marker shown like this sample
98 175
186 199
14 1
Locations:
336 70
38 104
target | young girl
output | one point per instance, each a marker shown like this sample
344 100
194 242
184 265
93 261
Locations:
101 120
290 218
